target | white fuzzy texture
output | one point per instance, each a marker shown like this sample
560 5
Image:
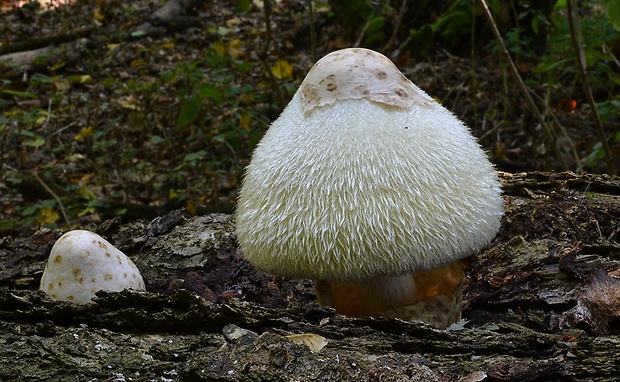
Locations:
82 263
356 189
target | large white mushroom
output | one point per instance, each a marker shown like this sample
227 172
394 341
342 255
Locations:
373 189
82 263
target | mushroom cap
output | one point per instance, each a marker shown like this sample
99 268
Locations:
354 184
82 263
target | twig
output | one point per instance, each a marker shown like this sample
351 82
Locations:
399 20
549 111
360 38
53 194
49 110
550 135
578 44
310 4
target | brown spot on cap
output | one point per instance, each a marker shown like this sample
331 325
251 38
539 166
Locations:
57 259
107 276
359 74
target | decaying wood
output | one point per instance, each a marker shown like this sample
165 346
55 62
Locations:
541 305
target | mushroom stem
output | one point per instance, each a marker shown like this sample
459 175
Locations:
433 296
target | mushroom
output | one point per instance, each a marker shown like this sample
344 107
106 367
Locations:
82 263
370 187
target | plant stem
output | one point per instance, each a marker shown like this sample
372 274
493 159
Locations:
56 197
265 53
550 135
310 4
578 44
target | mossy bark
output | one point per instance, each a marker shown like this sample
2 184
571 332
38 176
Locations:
209 315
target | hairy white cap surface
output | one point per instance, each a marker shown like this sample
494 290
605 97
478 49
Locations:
352 183
82 263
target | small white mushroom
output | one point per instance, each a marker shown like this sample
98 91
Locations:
82 263
373 189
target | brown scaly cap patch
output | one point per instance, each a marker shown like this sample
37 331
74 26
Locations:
359 73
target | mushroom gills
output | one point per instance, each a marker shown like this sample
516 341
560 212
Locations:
434 296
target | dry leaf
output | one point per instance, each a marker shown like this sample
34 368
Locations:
47 216
597 304
282 70
313 341
85 133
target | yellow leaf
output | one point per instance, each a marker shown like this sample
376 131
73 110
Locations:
191 208
172 194
87 194
47 216
85 79
61 84
85 133
235 48
128 104
138 63
246 97
233 22
244 121
41 119
98 15
75 157
112 46
219 48
87 211
282 70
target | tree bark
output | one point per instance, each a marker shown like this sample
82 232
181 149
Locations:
542 303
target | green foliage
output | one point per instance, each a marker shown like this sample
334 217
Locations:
353 15
558 66
613 12
558 62
598 154
242 6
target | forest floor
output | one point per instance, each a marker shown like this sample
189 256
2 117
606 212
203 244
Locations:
124 115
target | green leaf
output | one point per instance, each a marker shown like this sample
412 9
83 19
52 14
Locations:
37 142
242 6
189 112
613 12
211 92
19 94
192 157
